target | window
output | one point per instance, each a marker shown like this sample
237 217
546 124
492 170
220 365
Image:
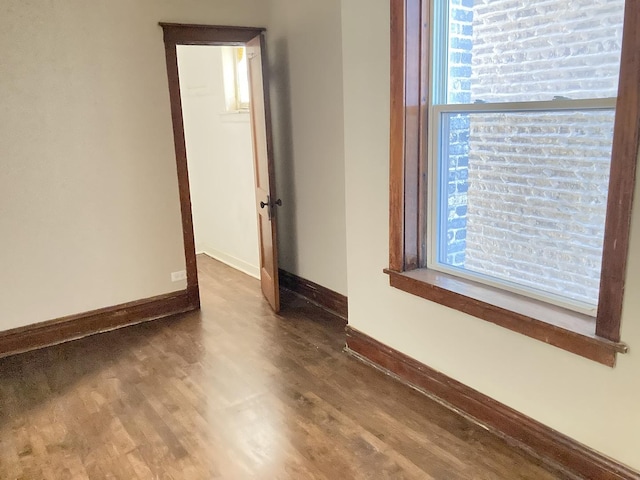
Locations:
236 78
513 152
522 111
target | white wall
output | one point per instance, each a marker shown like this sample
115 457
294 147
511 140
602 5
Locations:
594 404
304 48
220 160
89 209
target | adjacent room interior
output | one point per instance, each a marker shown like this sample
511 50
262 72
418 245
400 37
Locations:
214 89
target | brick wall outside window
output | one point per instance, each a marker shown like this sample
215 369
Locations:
527 192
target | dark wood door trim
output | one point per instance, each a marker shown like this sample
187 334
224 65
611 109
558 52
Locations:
183 34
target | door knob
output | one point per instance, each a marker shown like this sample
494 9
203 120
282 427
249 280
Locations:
270 204
277 202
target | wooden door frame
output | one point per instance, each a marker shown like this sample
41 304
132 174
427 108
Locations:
184 34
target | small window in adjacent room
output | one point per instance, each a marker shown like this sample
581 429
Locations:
236 78
513 152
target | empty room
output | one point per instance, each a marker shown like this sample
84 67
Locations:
288 239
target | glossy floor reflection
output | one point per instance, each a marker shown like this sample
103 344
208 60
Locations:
231 392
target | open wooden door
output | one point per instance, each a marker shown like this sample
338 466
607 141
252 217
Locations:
266 202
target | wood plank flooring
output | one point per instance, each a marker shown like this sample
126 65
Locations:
231 392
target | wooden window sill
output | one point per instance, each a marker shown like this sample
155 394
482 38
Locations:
554 325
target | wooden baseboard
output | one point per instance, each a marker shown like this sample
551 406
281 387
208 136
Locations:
553 448
232 261
52 332
322 296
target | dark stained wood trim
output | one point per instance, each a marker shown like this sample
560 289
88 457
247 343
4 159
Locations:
556 326
52 332
626 138
413 132
552 447
183 34
181 164
397 137
322 296
422 173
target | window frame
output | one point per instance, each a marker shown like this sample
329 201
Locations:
240 105
231 80
595 338
434 172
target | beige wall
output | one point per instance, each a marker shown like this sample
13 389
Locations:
306 79
89 210
594 404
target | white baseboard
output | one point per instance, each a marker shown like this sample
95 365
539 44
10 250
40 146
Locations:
232 261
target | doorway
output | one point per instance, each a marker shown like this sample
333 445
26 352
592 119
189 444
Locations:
265 200
214 91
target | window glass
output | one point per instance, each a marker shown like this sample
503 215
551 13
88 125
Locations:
242 78
519 181
510 51
236 78
526 198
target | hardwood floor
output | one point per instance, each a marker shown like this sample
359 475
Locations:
231 392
